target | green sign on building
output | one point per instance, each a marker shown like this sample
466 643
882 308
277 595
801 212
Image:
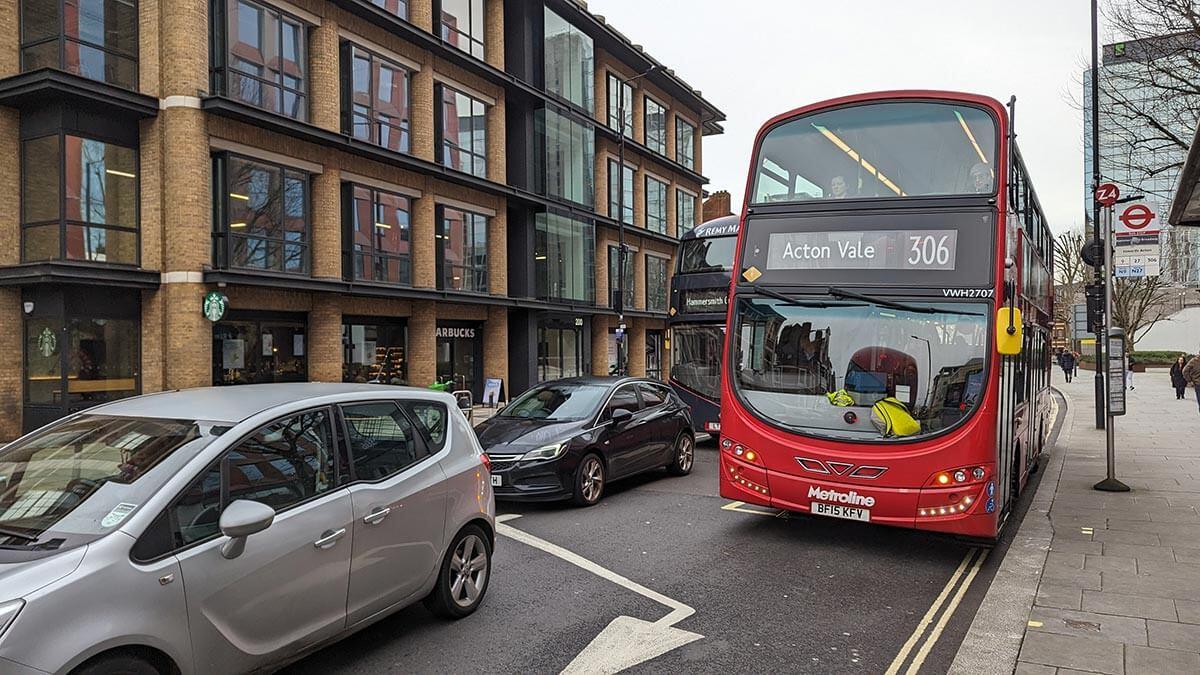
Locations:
215 304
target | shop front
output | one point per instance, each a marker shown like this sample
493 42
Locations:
252 347
460 356
82 347
561 348
374 350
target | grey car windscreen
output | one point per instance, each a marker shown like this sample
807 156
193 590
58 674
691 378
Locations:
81 478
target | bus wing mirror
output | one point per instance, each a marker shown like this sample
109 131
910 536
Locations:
1009 334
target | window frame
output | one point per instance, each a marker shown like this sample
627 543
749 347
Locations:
60 37
629 292
612 111
690 155
419 433
680 225
630 204
448 147
444 271
606 411
348 52
381 4
666 293
339 450
543 226
221 71
61 220
351 254
657 389
649 100
471 42
660 222
224 239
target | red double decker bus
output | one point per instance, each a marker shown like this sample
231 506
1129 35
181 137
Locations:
888 352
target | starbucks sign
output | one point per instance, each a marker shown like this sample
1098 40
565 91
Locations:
47 343
215 304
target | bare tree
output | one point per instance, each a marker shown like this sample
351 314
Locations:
1070 272
1138 304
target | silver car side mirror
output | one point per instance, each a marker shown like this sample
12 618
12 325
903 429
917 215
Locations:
241 519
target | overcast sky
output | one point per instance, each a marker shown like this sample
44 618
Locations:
756 58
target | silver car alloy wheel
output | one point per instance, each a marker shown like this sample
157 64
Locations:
686 453
468 571
593 479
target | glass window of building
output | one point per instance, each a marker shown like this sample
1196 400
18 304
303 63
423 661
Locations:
265 223
374 351
567 161
654 359
615 199
616 279
378 106
79 200
96 39
381 235
462 132
259 348
656 205
397 7
264 60
656 126
620 93
570 61
100 357
463 25
564 258
657 290
685 211
685 143
462 251
560 350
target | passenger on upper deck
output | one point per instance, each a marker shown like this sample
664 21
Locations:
981 176
838 189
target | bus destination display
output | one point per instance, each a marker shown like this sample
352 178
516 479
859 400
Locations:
863 250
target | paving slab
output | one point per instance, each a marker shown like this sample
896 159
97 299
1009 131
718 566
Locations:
1134 604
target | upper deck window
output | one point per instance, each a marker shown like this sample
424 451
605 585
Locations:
879 150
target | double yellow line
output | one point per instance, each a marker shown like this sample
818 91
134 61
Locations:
958 584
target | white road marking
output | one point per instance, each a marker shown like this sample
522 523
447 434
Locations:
626 641
740 507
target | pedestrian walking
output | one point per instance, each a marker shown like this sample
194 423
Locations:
1177 379
1067 362
1129 371
1076 355
1191 373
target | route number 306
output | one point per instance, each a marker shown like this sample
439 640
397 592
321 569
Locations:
928 251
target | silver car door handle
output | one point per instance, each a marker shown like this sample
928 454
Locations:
329 538
375 517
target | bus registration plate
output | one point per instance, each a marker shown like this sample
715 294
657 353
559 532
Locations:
839 511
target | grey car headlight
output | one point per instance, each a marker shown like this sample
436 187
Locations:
8 612
552 451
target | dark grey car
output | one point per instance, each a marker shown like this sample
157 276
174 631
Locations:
231 529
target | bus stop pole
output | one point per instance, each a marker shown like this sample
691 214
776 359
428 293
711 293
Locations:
1095 71
1110 482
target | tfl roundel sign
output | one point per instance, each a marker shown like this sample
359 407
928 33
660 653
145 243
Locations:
1137 218
1107 194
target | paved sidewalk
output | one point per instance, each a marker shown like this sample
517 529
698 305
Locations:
1119 587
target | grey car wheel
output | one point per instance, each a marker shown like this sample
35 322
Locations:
589 481
463 579
685 455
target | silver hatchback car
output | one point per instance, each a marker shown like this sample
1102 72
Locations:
232 529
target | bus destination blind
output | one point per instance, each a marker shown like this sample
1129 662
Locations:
863 250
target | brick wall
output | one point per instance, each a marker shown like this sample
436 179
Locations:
325 339
10 188
422 344
11 327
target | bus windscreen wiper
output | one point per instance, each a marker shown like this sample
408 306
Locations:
791 300
891 304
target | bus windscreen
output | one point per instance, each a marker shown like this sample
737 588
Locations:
879 150
714 254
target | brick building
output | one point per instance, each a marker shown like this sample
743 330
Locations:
229 191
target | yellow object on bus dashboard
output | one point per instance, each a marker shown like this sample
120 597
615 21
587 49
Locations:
1008 342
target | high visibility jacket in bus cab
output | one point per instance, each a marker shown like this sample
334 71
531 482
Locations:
891 418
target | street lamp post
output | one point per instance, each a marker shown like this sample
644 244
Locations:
1100 241
619 302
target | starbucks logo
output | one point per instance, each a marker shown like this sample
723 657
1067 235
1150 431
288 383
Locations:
215 304
47 343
